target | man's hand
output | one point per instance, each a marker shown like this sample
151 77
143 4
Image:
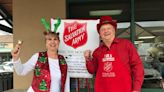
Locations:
87 54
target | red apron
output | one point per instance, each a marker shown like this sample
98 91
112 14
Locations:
112 75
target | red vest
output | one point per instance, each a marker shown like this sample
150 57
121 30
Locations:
42 78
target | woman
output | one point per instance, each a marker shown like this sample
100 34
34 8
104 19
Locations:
50 68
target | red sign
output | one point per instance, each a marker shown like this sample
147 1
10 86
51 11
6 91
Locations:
75 34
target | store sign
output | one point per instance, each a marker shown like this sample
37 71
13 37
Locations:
76 36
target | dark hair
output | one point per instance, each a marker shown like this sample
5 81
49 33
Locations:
51 33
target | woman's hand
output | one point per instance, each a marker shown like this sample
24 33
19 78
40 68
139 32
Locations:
87 54
16 50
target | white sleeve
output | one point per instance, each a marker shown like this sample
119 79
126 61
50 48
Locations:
23 69
67 84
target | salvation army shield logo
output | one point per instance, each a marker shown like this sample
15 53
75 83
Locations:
107 66
75 34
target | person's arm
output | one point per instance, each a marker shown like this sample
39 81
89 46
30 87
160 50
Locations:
91 65
23 69
137 68
91 62
67 84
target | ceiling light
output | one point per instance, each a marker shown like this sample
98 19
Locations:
146 37
105 12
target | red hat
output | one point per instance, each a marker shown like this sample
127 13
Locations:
106 20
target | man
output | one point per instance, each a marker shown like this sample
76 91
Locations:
116 63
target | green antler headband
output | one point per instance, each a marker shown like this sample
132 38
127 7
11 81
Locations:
47 25
56 25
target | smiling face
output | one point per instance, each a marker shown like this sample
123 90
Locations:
52 42
107 32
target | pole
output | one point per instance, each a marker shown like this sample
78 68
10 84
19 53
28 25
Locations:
132 23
